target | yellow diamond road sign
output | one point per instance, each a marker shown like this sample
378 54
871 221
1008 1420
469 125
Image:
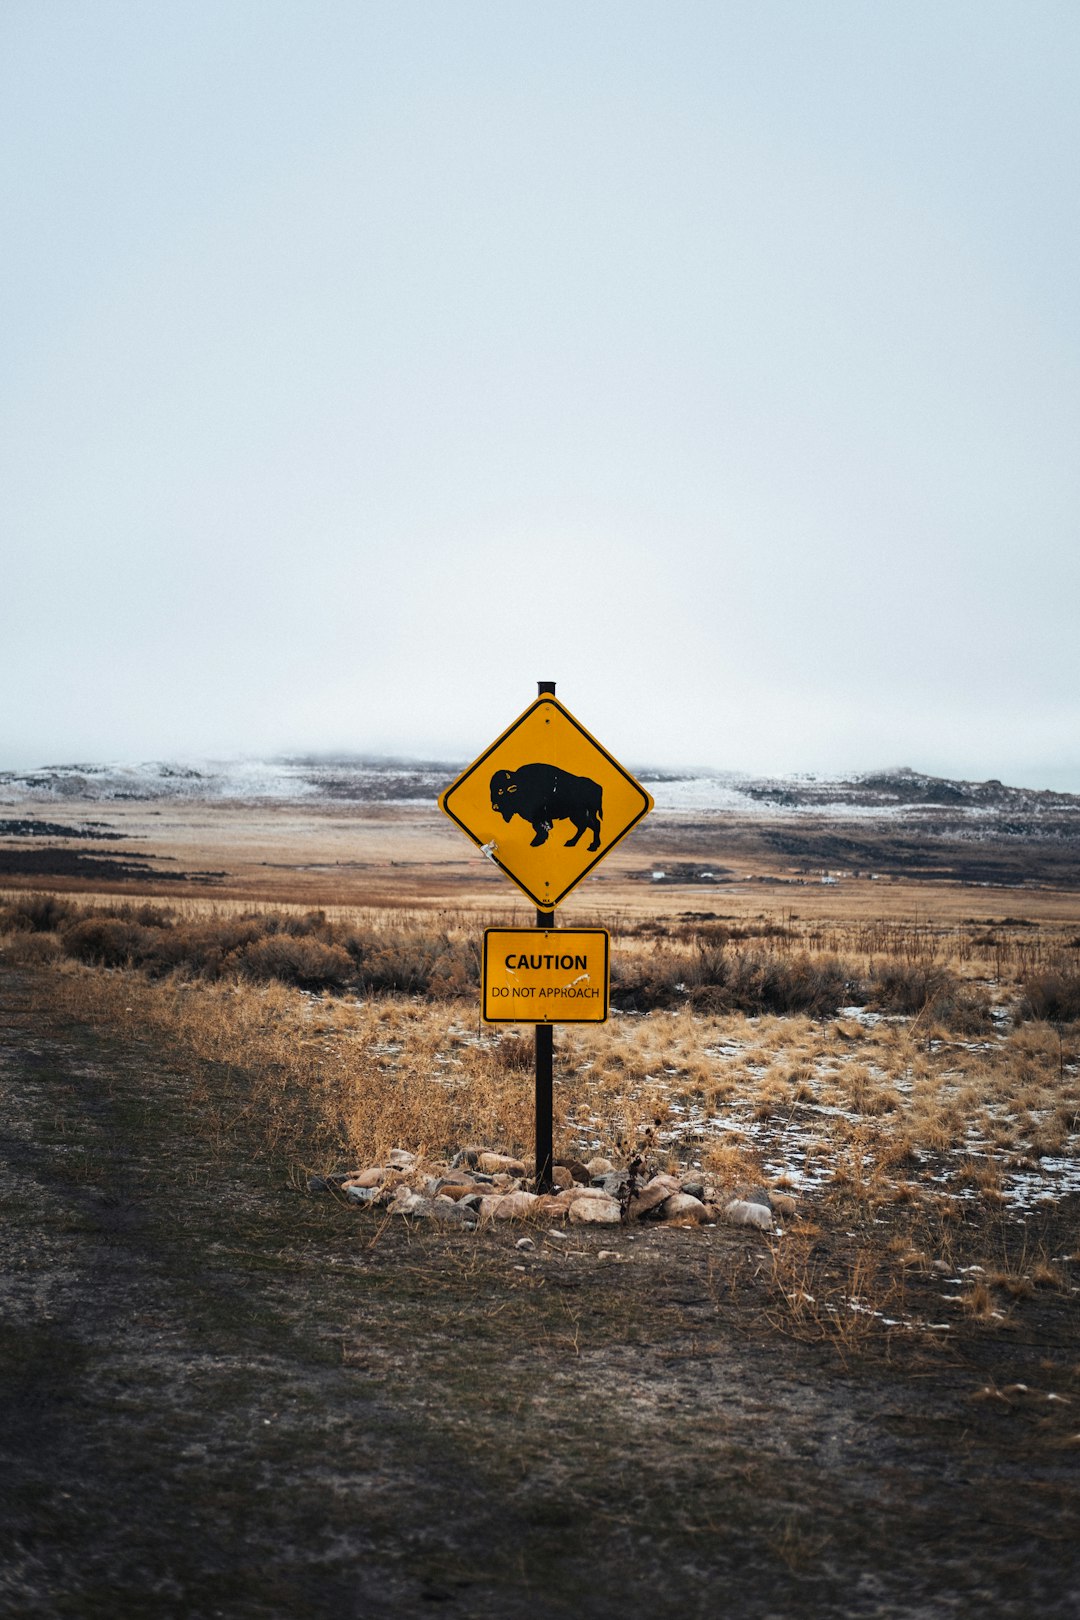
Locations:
546 802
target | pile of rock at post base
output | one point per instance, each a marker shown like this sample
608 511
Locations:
477 1186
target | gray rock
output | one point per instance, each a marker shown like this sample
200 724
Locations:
508 1206
363 1195
745 1212
694 1186
613 1183
452 1214
682 1206
595 1212
403 1200
502 1164
416 1206
476 1186
652 1195
755 1195
579 1172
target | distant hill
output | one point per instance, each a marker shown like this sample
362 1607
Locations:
899 793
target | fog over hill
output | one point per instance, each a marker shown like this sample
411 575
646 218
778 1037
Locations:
898 793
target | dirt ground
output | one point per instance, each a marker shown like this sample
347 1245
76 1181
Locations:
225 1396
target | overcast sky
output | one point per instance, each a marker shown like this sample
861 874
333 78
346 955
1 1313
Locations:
366 363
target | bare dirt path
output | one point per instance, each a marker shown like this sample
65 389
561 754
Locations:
223 1397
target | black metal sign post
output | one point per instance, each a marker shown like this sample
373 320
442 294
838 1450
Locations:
545 1082
545 768
545 1056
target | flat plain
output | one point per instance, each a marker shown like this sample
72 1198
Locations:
235 1395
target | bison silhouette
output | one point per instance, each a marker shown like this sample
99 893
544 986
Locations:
542 795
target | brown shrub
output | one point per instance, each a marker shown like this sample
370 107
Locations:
198 951
756 982
1053 997
641 983
305 950
35 914
105 941
31 950
716 979
913 988
408 962
299 960
908 987
516 1053
146 938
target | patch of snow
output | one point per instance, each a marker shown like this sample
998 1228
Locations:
892 796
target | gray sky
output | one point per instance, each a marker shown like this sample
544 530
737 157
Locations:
364 363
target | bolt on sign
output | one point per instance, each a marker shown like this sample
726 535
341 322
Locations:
545 975
546 802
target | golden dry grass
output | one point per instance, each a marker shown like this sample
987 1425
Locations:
873 1110
889 1133
934 1104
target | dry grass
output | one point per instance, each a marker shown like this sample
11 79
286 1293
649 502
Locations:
332 1079
873 1111
843 1300
939 1101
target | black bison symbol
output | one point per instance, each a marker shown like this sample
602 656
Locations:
542 794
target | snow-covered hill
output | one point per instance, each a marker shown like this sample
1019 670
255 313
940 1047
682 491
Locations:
893 794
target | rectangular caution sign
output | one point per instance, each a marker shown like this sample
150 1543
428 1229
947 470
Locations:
545 975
